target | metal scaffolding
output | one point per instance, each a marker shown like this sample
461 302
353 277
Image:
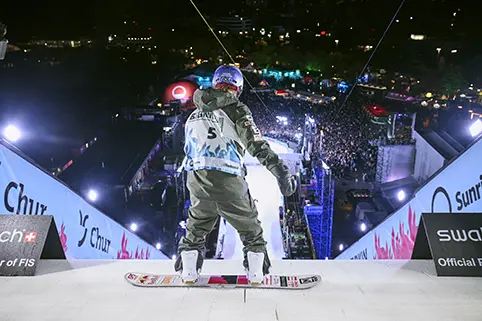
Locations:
320 218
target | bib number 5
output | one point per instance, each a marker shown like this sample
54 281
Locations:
212 133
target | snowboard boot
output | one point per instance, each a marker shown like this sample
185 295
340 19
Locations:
188 264
255 267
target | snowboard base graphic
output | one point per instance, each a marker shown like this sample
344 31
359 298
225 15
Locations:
280 282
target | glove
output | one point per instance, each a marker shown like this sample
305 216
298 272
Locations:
287 185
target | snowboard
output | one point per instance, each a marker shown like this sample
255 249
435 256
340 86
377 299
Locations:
281 282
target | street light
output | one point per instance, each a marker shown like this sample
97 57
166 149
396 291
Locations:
158 246
12 133
133 227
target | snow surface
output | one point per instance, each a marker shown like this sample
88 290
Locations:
351 290
264 188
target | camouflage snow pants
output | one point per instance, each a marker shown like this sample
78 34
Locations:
214 194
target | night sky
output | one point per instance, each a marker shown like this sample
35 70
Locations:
57 19
75 18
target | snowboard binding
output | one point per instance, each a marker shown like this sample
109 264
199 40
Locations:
189 265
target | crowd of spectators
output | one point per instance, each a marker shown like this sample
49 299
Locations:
269 110
344 138
348 139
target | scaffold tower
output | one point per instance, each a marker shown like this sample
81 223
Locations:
321 221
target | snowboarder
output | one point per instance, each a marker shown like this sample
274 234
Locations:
218 133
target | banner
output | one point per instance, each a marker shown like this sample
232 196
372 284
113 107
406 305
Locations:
84 231
454 241
24 240
455 189
393 239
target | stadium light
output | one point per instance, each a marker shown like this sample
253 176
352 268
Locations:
476 128
92 195
341 247
363 227
12 133
133 227
158 246
401 195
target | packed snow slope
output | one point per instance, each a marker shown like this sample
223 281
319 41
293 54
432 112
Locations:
351 290
265 191
268 198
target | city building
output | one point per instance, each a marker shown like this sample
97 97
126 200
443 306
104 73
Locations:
59 43
258 4
236 24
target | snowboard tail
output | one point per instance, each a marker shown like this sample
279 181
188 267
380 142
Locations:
286 282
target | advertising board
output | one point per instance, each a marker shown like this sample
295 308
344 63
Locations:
455 189
85 232
24 240
453 241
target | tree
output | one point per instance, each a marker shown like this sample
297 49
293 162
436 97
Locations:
265 57
452 81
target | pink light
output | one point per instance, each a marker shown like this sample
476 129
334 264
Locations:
179 92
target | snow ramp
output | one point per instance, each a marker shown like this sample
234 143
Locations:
268 199
350 290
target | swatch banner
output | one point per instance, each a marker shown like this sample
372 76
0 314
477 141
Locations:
456 189
85 232
454 242
24 240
